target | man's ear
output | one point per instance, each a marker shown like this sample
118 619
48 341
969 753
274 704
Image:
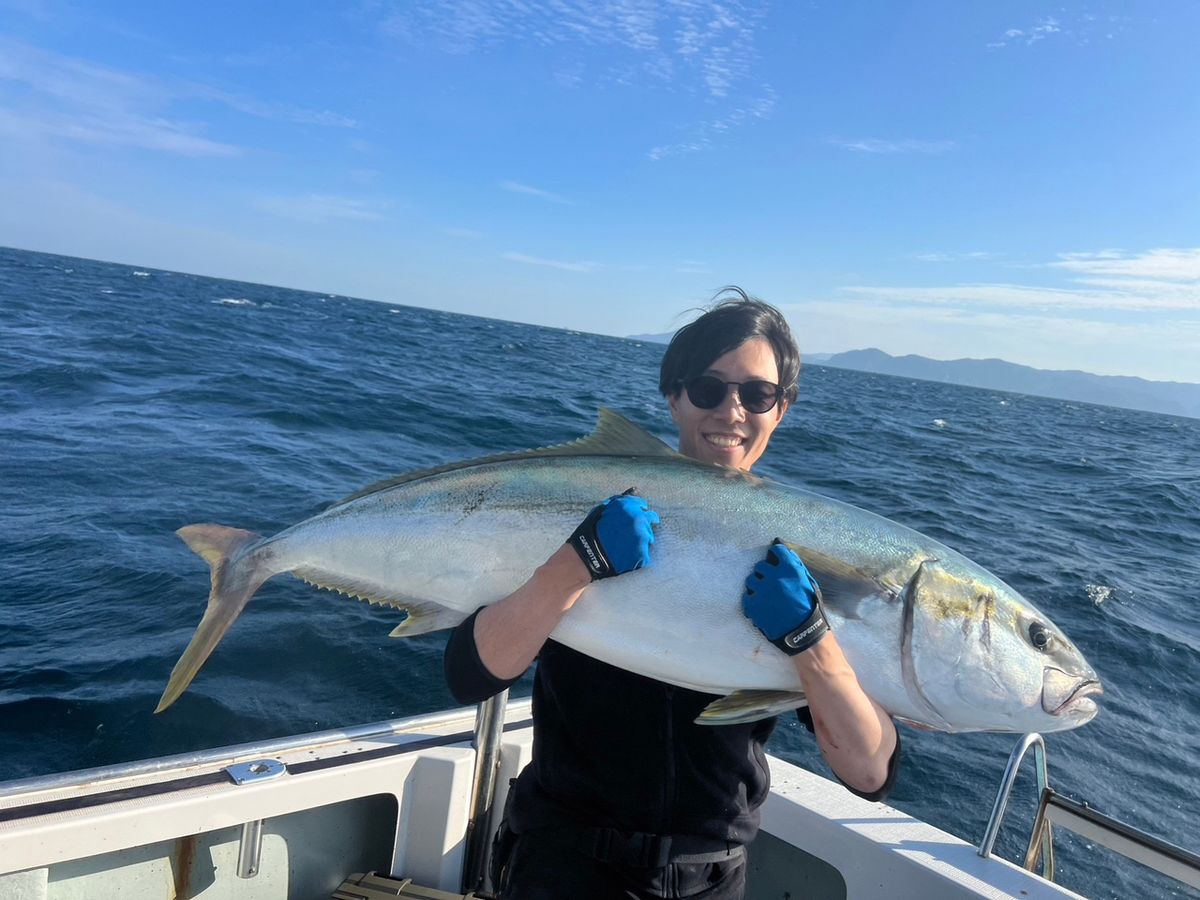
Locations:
673 405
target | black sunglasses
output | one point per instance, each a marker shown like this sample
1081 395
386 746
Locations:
708 392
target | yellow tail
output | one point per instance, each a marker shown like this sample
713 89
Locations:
237 572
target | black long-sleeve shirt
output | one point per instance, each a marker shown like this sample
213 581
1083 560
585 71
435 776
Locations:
612 748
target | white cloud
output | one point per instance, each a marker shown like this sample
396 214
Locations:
1082 29
551 263
113 130
703 136
699 47
883 146
49 96
517 188
39 10
1116 313
1168 264
715 41
1152 296
282 112
1159 280
940 257
321 208
1160 349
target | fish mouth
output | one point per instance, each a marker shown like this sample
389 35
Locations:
1066 694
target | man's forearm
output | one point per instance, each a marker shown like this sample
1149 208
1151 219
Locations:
510 632
856 736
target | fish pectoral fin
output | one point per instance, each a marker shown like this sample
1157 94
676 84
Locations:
749 706
424 618
842 585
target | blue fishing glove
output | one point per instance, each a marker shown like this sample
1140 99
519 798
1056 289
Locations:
783 600
615 537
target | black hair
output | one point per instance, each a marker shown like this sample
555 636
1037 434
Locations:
734 318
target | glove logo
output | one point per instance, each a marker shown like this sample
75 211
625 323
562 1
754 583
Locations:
796 638
593 562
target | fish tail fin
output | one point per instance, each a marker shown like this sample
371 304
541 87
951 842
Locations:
236 575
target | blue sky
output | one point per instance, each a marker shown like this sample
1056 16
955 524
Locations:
1012 179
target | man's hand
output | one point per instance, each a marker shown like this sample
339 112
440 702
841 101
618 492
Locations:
616 536
783 600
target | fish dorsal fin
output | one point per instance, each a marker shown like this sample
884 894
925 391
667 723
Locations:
615 435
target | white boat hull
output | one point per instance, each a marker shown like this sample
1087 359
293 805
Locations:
394 797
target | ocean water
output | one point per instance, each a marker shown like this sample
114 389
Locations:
134 401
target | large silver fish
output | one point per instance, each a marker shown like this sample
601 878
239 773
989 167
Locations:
935 639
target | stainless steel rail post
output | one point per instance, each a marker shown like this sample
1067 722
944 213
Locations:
489 729
1001 805
250 849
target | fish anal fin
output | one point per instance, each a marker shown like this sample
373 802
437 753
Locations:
424 618
749 706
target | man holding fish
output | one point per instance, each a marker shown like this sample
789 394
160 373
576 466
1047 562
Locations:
627 796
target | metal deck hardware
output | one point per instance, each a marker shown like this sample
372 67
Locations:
1001 805
250 844
1132 843
255 770
250 849
489 729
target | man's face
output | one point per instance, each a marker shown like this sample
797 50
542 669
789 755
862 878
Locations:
728 434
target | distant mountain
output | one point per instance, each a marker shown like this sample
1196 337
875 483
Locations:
1171 397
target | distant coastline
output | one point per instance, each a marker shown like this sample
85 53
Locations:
1170 397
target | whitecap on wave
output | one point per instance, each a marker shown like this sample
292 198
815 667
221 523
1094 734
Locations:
142 274
939 423
234 301
1098 593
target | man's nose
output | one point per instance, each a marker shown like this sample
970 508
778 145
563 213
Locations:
731 409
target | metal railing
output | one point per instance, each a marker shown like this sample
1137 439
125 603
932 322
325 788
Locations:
1053 808
201 758
1035 741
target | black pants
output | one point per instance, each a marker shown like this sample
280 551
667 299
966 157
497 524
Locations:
541 867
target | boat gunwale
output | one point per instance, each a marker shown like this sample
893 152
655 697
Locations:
96 776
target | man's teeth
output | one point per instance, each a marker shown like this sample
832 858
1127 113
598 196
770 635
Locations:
723 440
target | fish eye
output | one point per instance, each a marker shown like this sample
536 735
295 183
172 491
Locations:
1039 636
